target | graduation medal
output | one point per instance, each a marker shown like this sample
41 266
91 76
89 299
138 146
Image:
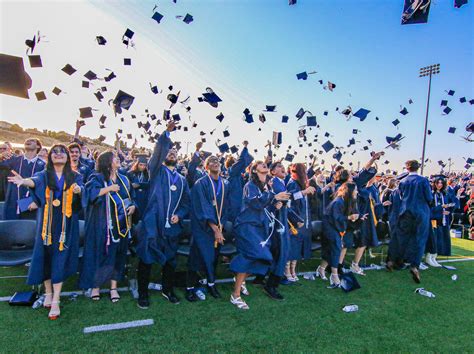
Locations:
56 203
173 188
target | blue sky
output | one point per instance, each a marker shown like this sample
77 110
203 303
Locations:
249 52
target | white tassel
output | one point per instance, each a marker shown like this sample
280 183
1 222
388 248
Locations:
167 224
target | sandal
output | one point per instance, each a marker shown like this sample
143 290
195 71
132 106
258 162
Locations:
356 269
54 314
321 273
241 304
333 284
46 304
243 289
95 297
114 299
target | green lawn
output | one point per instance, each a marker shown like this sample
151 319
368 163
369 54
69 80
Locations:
390 318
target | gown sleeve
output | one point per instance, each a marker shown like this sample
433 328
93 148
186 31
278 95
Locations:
160 151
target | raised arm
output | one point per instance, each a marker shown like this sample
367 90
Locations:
160 151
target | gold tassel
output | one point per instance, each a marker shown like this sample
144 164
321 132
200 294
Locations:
373 211
293 229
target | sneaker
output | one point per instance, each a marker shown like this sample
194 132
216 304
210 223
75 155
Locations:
143 302
423 266
170 296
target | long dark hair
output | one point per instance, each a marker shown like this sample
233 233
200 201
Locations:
254 176
104 164
298 173
346 191
435 182
341 176
68 173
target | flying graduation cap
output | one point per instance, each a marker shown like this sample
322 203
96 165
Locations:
186 19
100 40
122 100
393 141
157 17
269 108
459 3
361 114
210 97
248 116
415 12
404 111
14 81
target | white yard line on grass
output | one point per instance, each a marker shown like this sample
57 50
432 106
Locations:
120 325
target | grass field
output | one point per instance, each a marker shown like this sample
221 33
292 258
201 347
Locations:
391 318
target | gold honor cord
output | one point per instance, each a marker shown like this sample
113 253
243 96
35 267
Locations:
127 221
219 212
372 209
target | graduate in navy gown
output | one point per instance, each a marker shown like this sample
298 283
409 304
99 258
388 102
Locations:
236 180
414 220
19 203
77 164
337 217
254 227
195 166
162 223
140 179
109 200
439 240
393 211
209 213
300 244
55 256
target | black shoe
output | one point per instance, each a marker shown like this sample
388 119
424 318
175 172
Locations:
415 275
191 295
272 293
212 290
143 302
259 281
170 296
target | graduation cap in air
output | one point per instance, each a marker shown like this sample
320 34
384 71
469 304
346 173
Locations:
234 149
102 119
404 111
284 119
101 138
226 133
327 146
110 77
99 96
248 116
40 96
452 130
85 112
300 113
68 69
331 86
311 121
293 2
176 117
451 92
337 156
31 43
261 118
355 131
302 76
459 3
415 12
410 101
347 112
100 40
361 114
289 157
393 140
127 35
447 110
351 142
270 108
462 100
157 17
326 113
396 122
173 98
14 81
277 138
122 100
220 117
35 61
57 91
444 103
223 148
210 97
90 75
85 84
187 19
127 61
471 101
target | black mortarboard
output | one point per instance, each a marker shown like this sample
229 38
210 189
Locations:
122 100
444 102
166 114
352 141
129 136
101 40
127 61
302 76
68 69
234 149
248 116
270 108
462 99
470 160
447 110
210 97
452 130
277 138
470 127
224 148
146 126
347 111
459 3
40 96
293 2
85 84
395 139
451 92
110 77
35 61
327 134
311 121
31 43
404 111
99 96
220 117
396 122
157 17
226 133
188 19
128 33
429 132
90 75
154 89
415 12
337 156
471 101
300 113
85 112
410 101
176 117
289 157
57 91
14 81
361 114
284 119
102 118
327 146
326 113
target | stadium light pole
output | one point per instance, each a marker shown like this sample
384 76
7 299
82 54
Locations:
427 71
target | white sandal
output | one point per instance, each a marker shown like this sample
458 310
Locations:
243 289
356 269
46 305
321 273
241 304
54 314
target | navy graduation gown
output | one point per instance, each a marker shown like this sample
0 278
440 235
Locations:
193 172
158 238
394 225
335 222
300 243
141 191
439 240
48 262
414 218
26 170
236 183
102 262
203 254
252 227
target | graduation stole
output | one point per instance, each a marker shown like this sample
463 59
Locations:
66 207
127 219
218 210
372 210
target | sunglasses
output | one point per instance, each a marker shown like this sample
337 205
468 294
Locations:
59 151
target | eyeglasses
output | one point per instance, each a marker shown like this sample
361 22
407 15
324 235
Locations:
59 151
